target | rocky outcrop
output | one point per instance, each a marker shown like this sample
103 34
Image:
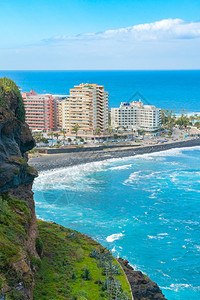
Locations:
15 139
24 192
142 286
16 178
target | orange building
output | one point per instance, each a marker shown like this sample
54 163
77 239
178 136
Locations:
41 111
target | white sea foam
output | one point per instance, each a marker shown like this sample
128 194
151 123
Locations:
159 236
69 178
180 286
113 237
113 250
165 233
121 167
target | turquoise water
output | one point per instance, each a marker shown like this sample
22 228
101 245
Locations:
165 89
145 209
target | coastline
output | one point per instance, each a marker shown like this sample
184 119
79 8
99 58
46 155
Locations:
64 160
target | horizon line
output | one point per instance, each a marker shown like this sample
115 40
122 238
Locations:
92 70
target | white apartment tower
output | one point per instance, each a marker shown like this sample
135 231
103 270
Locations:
136 115
87 106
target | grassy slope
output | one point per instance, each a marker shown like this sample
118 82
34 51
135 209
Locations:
64 262
66 256
14 219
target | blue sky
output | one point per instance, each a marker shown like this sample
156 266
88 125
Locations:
105 34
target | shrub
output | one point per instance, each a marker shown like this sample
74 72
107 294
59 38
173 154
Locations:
86 274
80 295
1 282
16 171
35 262
15 295
79 254
9 86
39 245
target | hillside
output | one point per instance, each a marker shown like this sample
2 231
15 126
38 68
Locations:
69 265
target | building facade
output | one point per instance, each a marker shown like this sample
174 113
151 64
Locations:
136 115
40 111
87 107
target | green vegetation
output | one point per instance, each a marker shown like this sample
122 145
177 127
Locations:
16 171
14 220
169 120
17 160
9 86
72 265
76 129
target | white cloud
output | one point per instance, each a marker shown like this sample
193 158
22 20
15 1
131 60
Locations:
166 44
167 29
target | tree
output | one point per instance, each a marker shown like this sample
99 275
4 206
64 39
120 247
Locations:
63 132
51 135
44 140
183 121
38 136
76 129
98 131
197 124
57 136
109 130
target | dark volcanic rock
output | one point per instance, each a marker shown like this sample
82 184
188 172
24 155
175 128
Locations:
16 178
141 286
15 140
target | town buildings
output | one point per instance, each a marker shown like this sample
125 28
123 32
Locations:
87 108
136 115
85 112
43 112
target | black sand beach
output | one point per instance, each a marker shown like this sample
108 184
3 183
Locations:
62 160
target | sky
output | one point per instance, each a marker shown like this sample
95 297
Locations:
99 35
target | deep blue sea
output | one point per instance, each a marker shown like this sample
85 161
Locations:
145 209
166 89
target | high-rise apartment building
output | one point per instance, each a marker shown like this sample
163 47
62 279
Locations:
136 115
40 111
87 107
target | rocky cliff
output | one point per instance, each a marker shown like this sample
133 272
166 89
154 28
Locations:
18 230
142 286
15 138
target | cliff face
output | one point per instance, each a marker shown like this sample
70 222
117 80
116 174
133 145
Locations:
18 227
15 139
142 287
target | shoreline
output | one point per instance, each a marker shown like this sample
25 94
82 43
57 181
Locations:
63 160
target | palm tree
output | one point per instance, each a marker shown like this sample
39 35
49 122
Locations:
98 131
51 135
64 136
57 136
109 130
76 129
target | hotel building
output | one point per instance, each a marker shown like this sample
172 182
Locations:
40 111
136 115
87 106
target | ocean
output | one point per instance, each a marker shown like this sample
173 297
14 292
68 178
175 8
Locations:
145 209
176 90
